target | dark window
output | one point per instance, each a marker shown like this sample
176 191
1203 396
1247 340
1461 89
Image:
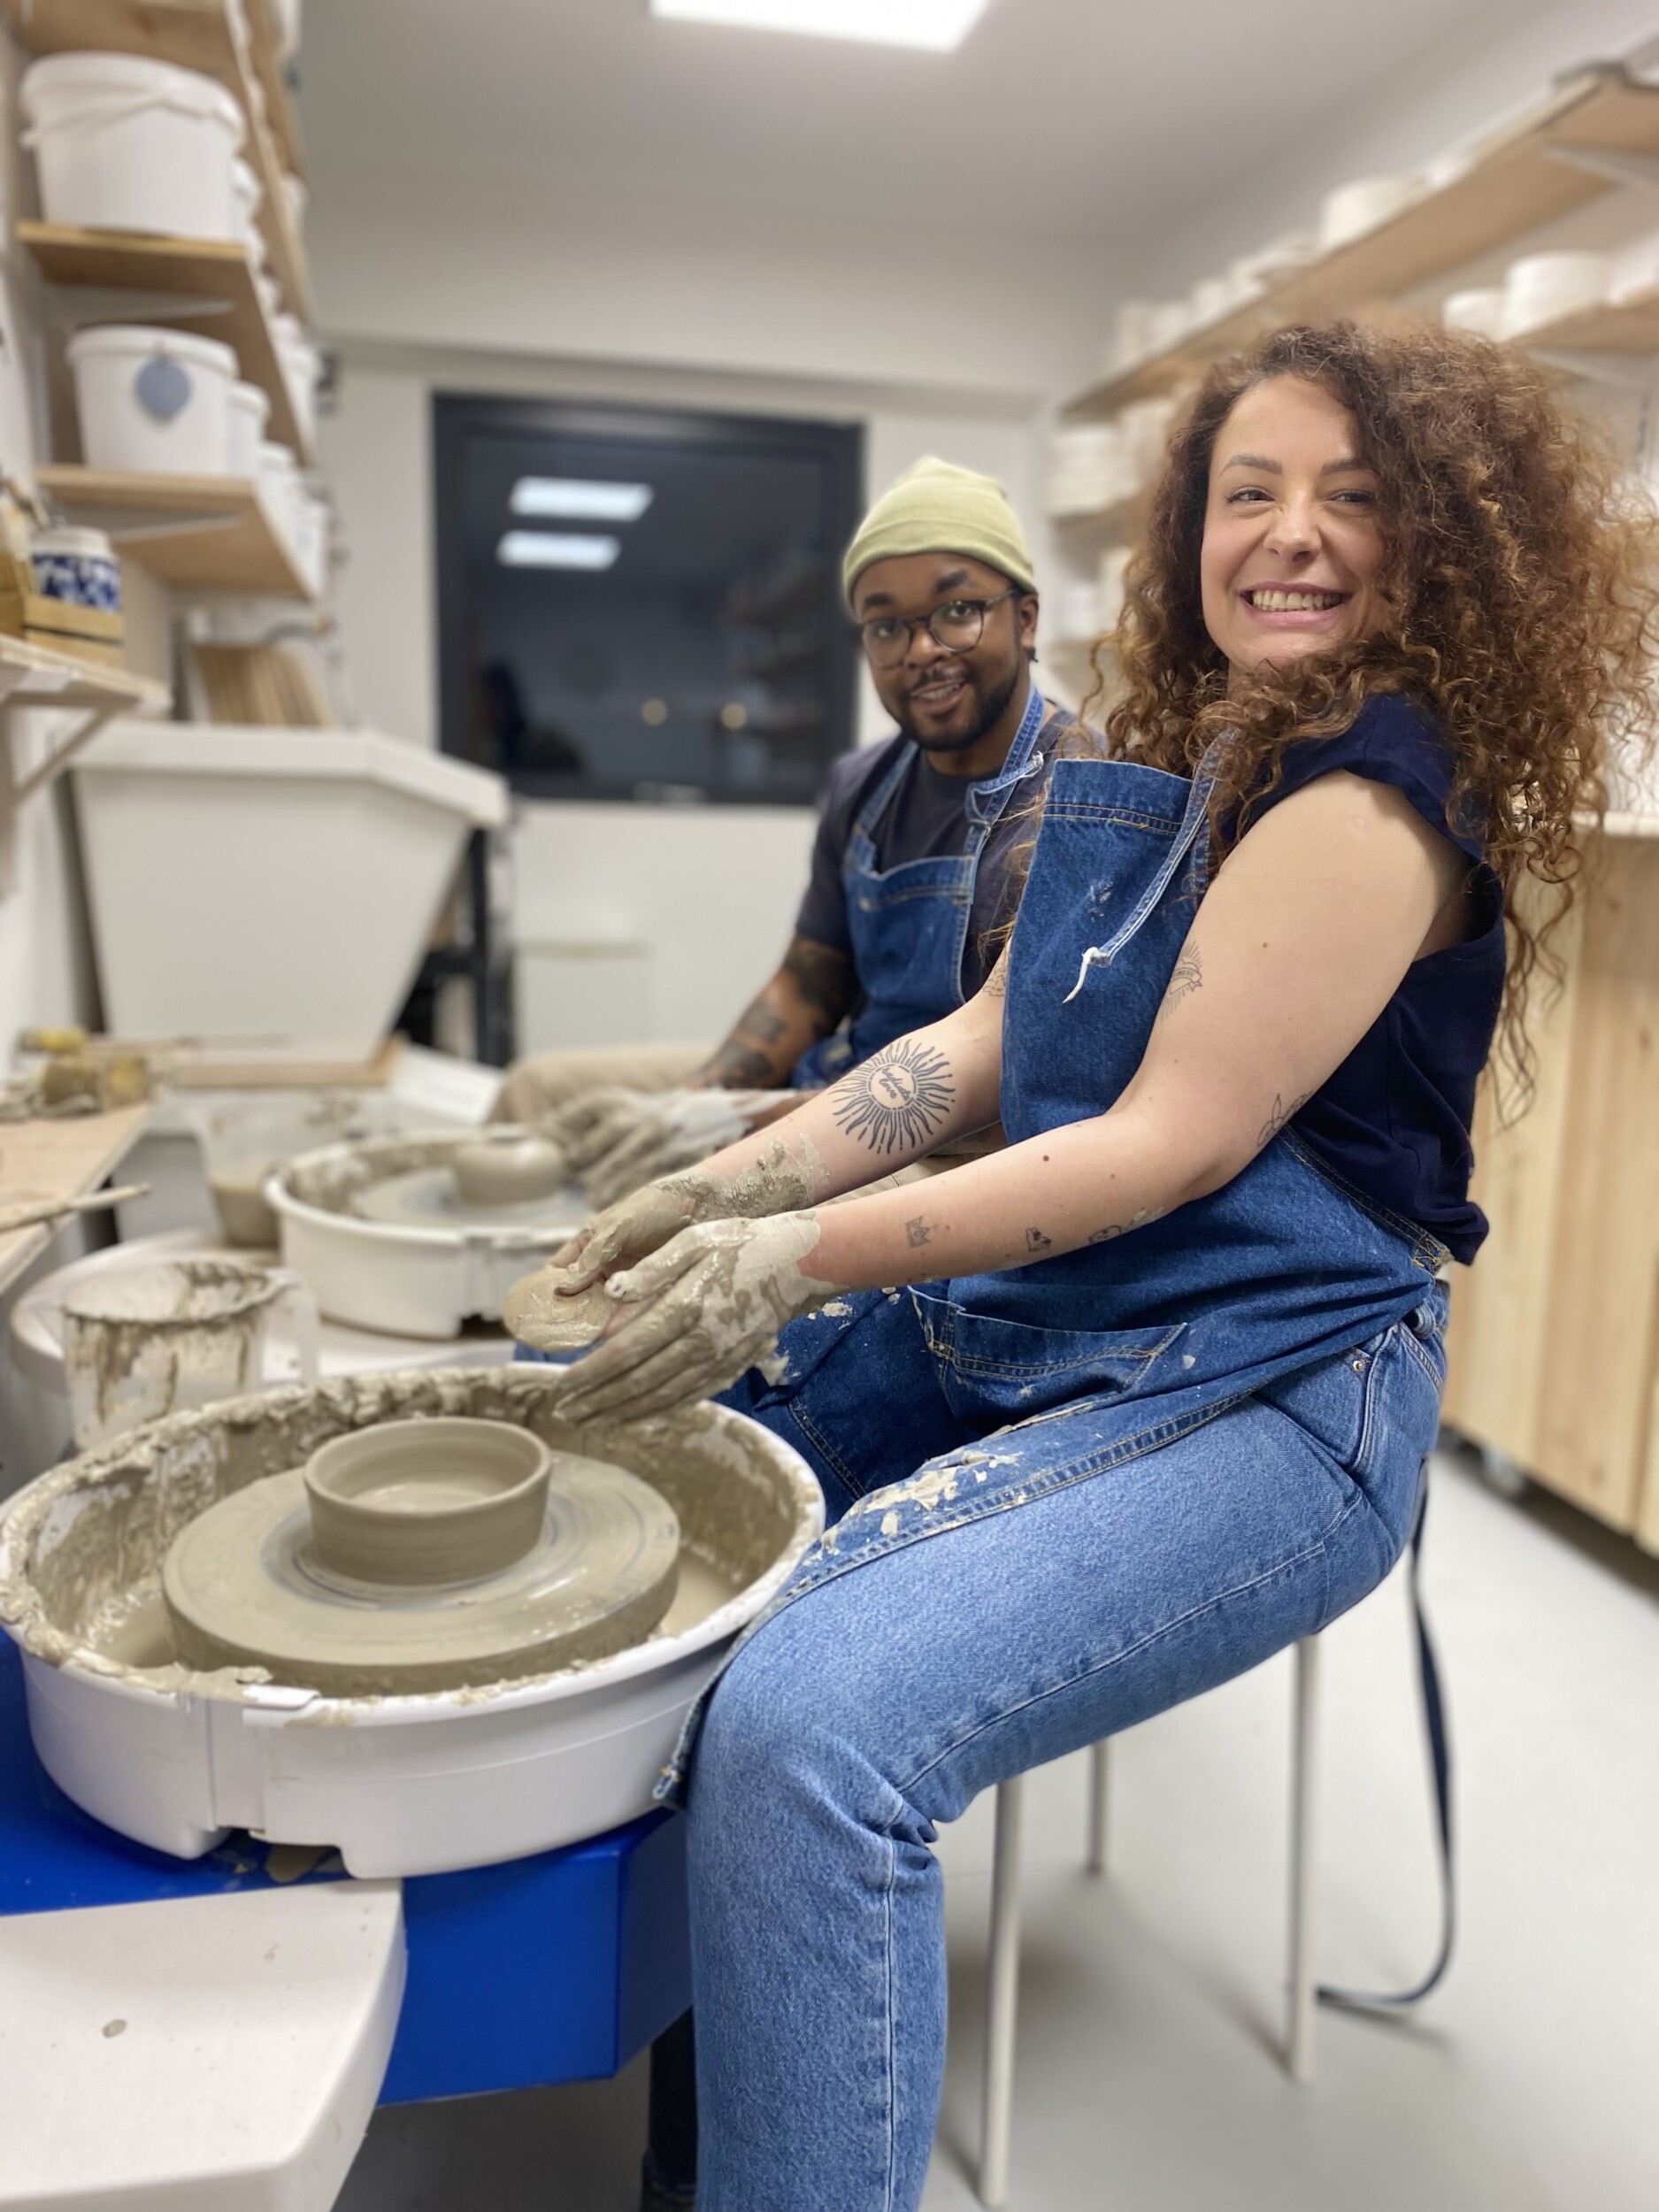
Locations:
641 605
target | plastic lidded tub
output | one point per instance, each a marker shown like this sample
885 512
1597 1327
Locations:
249 408
153 400
78 567
125 143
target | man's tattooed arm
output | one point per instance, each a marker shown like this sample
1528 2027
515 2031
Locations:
803 1002
900 1101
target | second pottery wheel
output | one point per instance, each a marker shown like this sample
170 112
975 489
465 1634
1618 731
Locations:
428 1198
419 1557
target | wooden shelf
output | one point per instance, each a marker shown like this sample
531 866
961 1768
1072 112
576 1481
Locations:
1114 521
268 66
53 1158
1628 326
204 35
215 271
199 532
1517 181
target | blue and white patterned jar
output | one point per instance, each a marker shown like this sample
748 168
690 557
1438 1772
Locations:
77 566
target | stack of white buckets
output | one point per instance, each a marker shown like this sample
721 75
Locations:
125 143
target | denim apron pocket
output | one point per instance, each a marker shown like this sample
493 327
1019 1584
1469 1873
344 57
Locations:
990 1365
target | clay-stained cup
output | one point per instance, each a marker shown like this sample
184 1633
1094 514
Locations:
448 1500
509 1170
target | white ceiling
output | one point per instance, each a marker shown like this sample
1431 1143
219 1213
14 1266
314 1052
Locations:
1086 119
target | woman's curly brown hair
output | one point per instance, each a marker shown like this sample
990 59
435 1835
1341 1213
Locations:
1518 599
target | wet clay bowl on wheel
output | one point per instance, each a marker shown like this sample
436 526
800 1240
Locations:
175 1756
508 1170
415 1502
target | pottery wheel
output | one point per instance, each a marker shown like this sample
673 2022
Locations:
243 1587
426 1198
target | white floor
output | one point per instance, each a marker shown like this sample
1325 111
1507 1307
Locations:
1148 2077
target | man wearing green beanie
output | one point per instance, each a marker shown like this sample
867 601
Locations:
909 867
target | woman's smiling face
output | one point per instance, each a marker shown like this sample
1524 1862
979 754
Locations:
1291 539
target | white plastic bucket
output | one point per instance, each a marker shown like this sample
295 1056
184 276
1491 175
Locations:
154 401
249 408
302 365
278 481
123 144
248 193
311 539
1543 288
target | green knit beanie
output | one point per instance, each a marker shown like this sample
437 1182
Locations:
936 508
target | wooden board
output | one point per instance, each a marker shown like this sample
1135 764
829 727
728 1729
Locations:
199 35
1631 327
193 1074
57 1159
1514 184
202 533
215 270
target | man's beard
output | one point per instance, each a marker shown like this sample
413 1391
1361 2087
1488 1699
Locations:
992 707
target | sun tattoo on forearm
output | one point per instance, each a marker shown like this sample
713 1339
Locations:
896 1101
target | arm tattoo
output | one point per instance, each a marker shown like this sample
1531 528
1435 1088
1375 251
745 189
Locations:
919 1232
996 982
1036 1242
824 977
1280 1116
1122 1228
739 1067
1188 976
762 1020
896 1101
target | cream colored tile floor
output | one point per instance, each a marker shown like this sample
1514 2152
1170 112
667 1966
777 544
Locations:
1148 2071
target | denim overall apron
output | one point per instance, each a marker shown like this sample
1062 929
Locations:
951 1401
909 925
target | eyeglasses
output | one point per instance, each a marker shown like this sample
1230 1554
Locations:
958 626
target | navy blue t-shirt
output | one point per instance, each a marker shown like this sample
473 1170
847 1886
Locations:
1394 1121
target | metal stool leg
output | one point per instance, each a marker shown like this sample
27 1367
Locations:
1003 1995
1299 2025
1099 1801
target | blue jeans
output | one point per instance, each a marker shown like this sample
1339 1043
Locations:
1082 1590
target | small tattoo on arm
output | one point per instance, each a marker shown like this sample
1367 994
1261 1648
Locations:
1187 977
896 1101
919 1232
1035 1240
996 982
1280 1116
1122 1228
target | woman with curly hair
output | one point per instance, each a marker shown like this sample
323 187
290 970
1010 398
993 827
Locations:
1152 1397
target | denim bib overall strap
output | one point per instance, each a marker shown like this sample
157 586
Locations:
909 924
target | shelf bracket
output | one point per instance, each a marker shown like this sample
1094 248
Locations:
15 791
1610 164
1622 372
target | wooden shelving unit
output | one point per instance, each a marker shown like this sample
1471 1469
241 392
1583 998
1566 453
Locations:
197 533
215 271
204 35
1565 152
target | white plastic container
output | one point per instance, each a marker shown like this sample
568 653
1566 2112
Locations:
151 400
278 481
401 1785
125 143
268 883
287 18
249 409
248 193
1479 310
302 365
1353 209
1543 288
311 520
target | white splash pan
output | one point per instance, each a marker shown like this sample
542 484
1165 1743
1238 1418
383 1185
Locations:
420 1281
400 1786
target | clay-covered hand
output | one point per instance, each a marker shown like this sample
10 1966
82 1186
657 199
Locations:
587 1127
677 1129
694 1315
638 1225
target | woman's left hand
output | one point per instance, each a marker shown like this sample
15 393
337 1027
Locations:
694 1315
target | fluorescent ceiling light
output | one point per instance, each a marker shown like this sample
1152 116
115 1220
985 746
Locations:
556 549
570 499
939 24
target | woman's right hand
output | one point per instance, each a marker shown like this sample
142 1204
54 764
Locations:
636 1226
